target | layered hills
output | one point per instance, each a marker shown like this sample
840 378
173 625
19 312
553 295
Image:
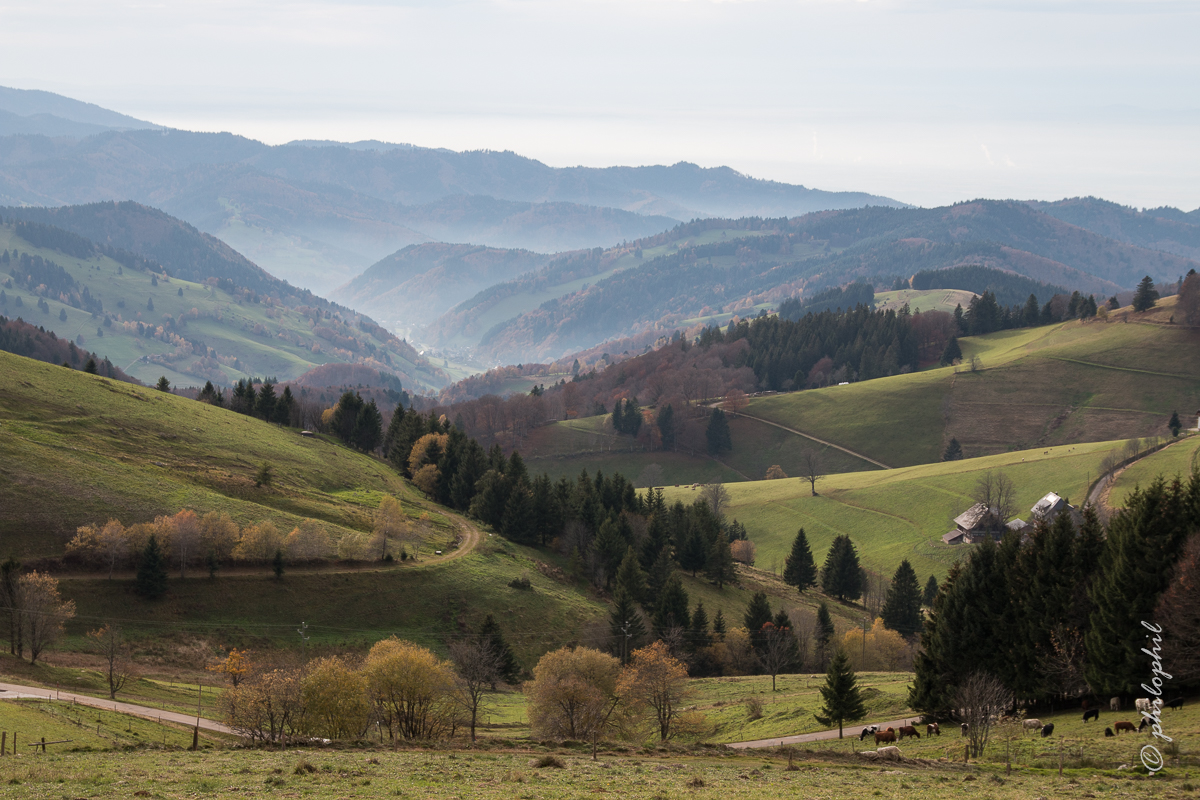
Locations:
712 269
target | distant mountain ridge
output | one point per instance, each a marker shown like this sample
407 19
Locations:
1167 229
50 114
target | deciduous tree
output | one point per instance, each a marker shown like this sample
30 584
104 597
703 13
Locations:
334 697
655 681
410 689
109 643
43 611
573 693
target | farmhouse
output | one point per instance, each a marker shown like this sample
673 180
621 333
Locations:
974 524
1050 506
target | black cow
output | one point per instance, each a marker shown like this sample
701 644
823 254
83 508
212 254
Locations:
1047 730
1176 704
870 730
1093 713
1108 732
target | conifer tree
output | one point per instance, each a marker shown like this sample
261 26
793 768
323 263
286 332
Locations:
952 352
841 701
632 418
717 433
824 632
698 634
508 668
799 569
90 366
277 564
152 571
265 407
618 417
666 426
720 567
902 608
1174 424
657 578
671 610
841 577
625 623
693 555
1145 297
610 547
718 625
953 451
931 590
758 613
630 577
163 384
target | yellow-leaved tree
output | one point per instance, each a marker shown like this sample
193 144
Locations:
411 689
882 650
573 693
334 696
655 683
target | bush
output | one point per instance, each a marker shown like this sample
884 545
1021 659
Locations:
547 761
753 709
521 583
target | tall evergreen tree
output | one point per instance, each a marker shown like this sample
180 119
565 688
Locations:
518 513
152 571
1174 425
717 433
799 569
758 613
931 590
630 577
841 577
611 547
952 352
902 608
632 418
953 451
720 567
698 634
368 428
490 632
694 554
265 407
841 701
824 632
1029 314
618 417
625 623
718 625
666 426
932 689
671 610
657 577
1145 297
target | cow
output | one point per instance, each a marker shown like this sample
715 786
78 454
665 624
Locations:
1144 724
966 729
868 731
1108 732
1176 704
1125 726
1114 705
1157 704
1032 724
1093 713
932 729
909 730
1047 730
888 736
1142 704
890 753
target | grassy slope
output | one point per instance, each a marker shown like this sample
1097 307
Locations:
928 300
261 354
1179 459
901 513
1038 387
78 448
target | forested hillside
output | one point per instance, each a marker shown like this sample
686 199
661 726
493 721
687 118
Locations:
712 269
1167 229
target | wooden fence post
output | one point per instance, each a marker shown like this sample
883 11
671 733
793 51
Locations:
3 743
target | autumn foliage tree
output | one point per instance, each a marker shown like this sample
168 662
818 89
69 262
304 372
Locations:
410 689
43 611
334 699
655 683
109 644
573 693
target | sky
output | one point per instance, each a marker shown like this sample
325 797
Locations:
926 101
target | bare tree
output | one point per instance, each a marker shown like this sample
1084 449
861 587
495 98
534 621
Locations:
42 610
811 468
777 652
996 492
717 497
110 645
477 665
1063 664
980 701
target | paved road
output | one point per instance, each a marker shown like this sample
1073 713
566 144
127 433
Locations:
850 731
15 691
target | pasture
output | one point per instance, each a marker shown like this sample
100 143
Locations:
924 300
900 513
1178 459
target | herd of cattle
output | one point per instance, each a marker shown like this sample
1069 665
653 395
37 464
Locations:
1143 705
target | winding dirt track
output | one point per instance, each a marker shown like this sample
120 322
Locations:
813 438
14 691
801 738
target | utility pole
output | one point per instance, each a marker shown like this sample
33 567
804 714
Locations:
625 643
304 637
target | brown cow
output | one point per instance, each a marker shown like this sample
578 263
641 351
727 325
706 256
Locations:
885 736
909 730
932 729
1125 726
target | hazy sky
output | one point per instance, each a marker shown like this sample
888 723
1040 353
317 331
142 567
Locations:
928 102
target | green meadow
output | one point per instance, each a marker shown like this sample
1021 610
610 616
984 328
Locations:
1179 459
899 513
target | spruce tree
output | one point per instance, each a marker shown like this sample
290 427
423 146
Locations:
718 624
518 512
671 609
151 580
902 608
657 577
508 668
610 547
163 384
720 567
632 417
630 577
90 366
824 632
841 577
932 689
1145 297
698 634
265 407
694 554
277 564
758 613
799 569
625 623
840 698
618 417
1029 315
931 590
952 352
953 451
717 433
368 427
1175 425
666 426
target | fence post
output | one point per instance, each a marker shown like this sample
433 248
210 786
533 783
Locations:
3 743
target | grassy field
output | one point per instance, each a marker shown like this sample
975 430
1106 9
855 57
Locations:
1038 387
266 340
898 513
924 300
117 450
79 727
1181 459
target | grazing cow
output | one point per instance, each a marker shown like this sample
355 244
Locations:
1176 704
1157 704
1108 732
966 729
1093 713
885 736
1142 704
1114 705
932 729
868 731
1125 726
908 730
1047 730
1144 724
890 753
1032 724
